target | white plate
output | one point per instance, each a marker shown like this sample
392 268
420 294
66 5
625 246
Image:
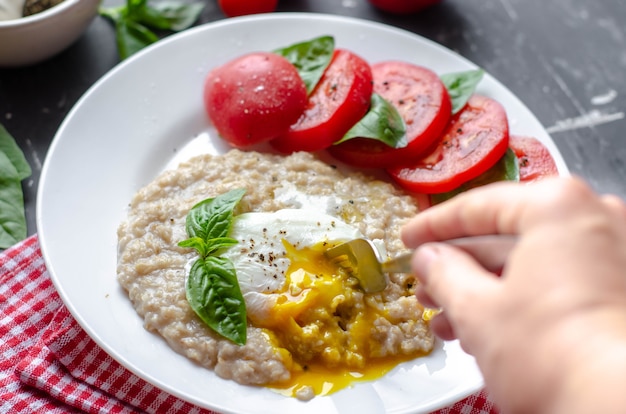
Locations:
146 115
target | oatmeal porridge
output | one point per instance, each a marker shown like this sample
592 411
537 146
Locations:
300 324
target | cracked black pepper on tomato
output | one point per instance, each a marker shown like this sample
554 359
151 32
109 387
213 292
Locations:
423 102
340 99
431 133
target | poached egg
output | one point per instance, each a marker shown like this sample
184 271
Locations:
313 313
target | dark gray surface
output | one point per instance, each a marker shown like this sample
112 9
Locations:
565 59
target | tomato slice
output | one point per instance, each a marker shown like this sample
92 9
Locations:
340 99
476 138
423 103
535 161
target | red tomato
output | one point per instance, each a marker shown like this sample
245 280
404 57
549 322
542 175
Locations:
535 161
424 104
476 138
232 8
339 100
254 98
403 6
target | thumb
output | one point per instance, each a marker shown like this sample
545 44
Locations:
457 283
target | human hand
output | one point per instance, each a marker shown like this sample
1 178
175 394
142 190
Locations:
550 334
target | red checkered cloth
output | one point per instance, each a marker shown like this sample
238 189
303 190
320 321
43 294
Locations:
50 365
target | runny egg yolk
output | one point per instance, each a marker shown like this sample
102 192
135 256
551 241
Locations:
322 323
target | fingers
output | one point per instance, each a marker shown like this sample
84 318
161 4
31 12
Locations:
499 208
441 326
476 212
453 280
615 204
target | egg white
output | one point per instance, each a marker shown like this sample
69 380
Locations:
260 258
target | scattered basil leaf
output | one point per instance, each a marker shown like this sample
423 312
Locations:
169 15
382 122
460 86
506 169
131 37
9 147
134 20
212 288
311 58
213 293
13 169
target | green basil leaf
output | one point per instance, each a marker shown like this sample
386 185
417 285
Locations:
206 248
213 245
134 20
196 243
213 293
212 287
212 218
12 216
382 122
171 15
130 36
311 58
461 85
506 169
135 7
9 147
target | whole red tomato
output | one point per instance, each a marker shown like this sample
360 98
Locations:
232 8
402 6
254 98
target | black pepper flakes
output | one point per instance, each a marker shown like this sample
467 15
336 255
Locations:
523 162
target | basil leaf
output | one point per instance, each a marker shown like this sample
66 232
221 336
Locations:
218 243
13 169
130 36
9 147
134 7
212 287
311 58
212 218
213 293
461 85
12 216
382 122
506 169
196 243
133 22
172 15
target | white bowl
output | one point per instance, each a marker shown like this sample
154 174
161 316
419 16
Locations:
32 39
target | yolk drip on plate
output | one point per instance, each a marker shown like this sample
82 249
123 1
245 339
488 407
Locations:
321 321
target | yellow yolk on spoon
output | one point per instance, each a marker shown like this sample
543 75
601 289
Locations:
322 322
